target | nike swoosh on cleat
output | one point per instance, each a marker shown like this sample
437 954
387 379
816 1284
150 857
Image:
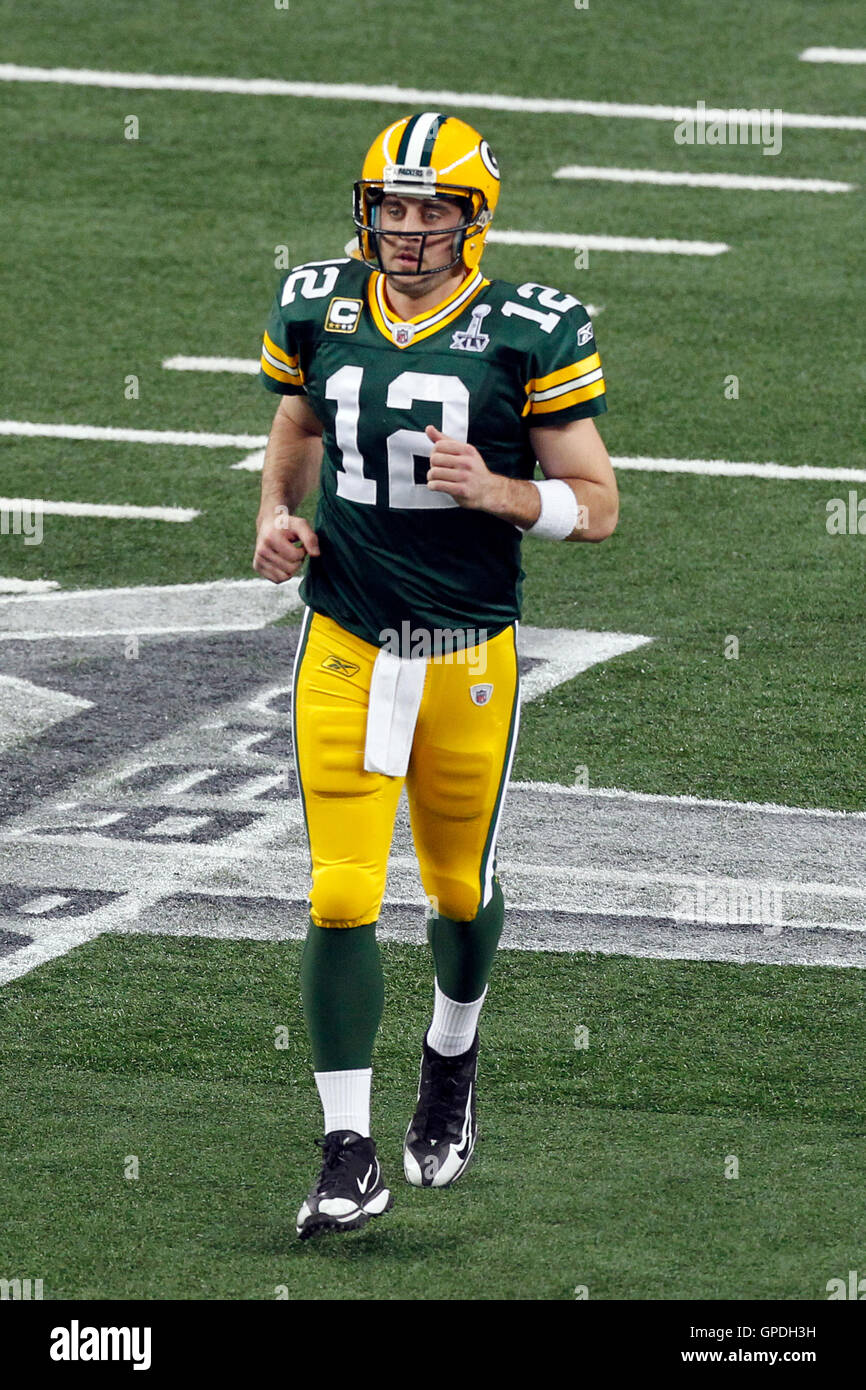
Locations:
467 1128
362 1186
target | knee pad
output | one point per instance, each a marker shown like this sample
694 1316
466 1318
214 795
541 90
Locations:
456 898
344 895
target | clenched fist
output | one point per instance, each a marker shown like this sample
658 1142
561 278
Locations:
458 469
283 543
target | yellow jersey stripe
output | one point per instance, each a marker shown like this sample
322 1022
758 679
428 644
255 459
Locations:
577 369
584 393
294 378
279 353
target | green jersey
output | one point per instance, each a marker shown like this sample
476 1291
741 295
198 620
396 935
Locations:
486 365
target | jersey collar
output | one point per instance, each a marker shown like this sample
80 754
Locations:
424 324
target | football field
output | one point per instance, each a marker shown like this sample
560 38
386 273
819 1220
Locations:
671 1096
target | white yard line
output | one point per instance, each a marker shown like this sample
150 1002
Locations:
256 442
756 182
833 55
620 794
402 96
33 430
248 365
27 586
574 241
723 468
115 512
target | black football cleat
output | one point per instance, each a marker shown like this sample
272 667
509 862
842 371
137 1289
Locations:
441 1137
350 1188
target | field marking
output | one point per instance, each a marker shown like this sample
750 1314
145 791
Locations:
27 710
573 241
223 605
115 511
833 55
248 365
183 851
257 442
400 96
27 586
756 182
723 468
251 463
30 429
619 794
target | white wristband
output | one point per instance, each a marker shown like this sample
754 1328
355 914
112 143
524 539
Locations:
558 516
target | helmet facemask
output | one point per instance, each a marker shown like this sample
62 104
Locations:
369 194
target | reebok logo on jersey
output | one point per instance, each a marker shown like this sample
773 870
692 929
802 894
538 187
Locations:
584 334
472 339
339 666
480 694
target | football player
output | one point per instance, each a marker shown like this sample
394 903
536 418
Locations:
418 395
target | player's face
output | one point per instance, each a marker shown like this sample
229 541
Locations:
401 220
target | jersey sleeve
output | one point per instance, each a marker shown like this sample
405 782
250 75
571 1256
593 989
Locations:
565 376
280 368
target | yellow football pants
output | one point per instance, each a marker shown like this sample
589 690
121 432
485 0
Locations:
458 771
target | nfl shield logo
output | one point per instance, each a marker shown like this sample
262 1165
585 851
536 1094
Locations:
480 694
403 333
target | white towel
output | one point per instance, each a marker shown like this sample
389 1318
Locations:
396 687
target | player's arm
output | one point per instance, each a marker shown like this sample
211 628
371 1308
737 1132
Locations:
575 452
572 452
293 460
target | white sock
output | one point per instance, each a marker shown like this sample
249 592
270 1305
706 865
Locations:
345 1097
453 1028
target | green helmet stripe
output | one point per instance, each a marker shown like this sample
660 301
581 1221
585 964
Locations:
419 137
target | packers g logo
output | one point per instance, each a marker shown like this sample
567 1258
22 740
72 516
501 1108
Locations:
343 315
489 159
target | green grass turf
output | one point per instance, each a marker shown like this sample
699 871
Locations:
121 253
600 1166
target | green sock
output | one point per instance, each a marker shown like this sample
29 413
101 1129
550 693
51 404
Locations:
463 951
343 993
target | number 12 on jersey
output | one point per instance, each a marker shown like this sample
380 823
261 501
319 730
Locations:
403 446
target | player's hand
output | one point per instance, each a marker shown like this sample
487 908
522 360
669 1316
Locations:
282 545
459 470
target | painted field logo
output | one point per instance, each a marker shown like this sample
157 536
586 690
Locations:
846 518
20 1289
77 1343
855 1288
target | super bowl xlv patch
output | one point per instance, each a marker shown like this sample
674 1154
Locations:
343 315
471 339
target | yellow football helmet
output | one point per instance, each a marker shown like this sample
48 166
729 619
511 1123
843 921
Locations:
429 156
